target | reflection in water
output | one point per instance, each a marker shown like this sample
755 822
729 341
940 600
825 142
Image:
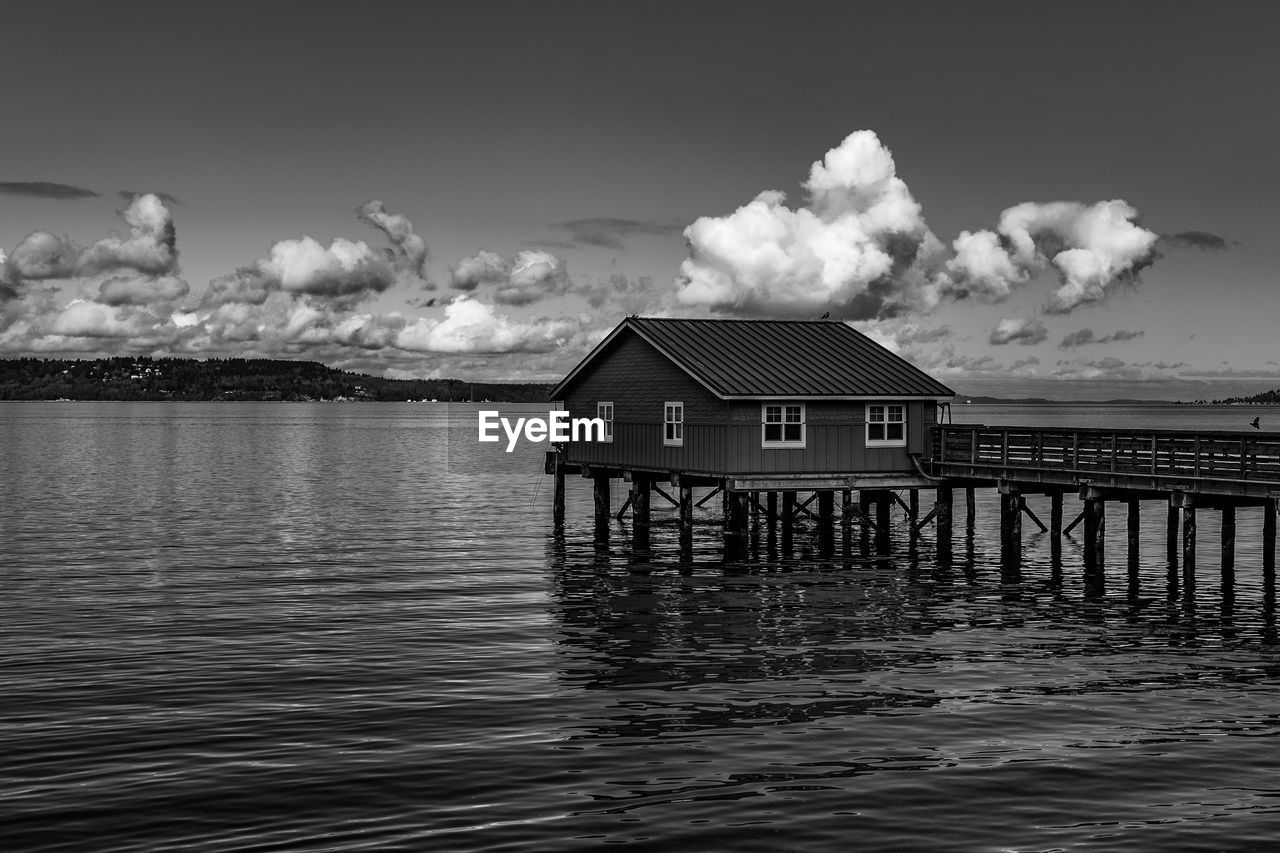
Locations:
764 678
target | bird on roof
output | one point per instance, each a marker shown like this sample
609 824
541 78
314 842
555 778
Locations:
1254 423
825 316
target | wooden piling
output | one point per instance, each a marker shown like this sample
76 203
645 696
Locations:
1269 537
639 514
600 497
943 521
788 520
1010 530
736 524
686 510
1171 534
1095 530
1135 524
1228 543
1095 541
557 504
826 522
846 522
864 513
883 504
1055 527
1189 549
968 506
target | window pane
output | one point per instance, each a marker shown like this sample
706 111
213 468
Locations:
895 432
793 432
875 413
679 431
875 432
793 414
773 432
895 413
773 414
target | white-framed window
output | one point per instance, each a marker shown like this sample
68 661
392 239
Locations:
886 425
673 424
782 425
604 411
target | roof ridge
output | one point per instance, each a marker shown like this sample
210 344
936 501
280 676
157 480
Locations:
736 320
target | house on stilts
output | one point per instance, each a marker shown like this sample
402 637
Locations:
755 408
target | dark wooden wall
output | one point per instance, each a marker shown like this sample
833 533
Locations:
722 437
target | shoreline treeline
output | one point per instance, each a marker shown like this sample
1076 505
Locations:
125 378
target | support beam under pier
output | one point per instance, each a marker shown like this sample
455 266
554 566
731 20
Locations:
557 500
1228 545
1269 536
1095 541
826 522
1010 529
884 501
1135 524
600 498
639 514
846 522
942 508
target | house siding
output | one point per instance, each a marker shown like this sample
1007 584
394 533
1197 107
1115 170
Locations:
721 437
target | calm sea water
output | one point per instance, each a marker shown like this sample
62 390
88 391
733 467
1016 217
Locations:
348 627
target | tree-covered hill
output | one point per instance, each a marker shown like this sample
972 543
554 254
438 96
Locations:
232 379
1269 398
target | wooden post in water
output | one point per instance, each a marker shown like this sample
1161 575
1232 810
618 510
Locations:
1269 537
735 533
557 500
1055 527
1095 578
826 522
1228 544
968 506
788 520
846 522
686 510
1171 534
1100 537
943 521
1135 524
639 513
864 532
600 497
1189 549
1095 536
1010 528
883 505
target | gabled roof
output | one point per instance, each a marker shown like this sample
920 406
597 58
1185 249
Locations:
743 359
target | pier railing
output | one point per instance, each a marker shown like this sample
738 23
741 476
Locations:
1227 463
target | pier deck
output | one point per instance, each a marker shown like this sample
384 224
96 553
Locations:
1212 464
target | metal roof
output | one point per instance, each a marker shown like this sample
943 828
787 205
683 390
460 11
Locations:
777 358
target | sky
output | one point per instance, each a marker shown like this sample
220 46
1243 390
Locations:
1072 201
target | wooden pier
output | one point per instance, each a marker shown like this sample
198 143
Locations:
792 423
1187 471
1184 471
